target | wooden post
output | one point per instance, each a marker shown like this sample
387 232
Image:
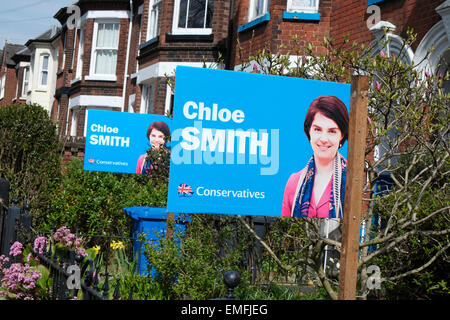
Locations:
169 223
353 188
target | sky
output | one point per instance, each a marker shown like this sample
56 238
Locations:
21 20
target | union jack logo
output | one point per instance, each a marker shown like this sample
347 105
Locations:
91 160
185 190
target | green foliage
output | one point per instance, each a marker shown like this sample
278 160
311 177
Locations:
274 291
90 201
431 282
191 265
122 267
29 155
140 287
160 164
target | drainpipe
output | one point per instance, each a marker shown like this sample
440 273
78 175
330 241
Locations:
230 37
125 76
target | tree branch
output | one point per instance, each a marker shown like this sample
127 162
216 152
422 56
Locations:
267 247
417 270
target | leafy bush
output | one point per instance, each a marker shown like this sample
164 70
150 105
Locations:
30 155
89 201
190 266
407 269
274 291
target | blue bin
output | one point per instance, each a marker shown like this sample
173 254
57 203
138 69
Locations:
152 221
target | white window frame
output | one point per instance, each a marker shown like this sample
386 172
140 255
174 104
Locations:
100 76
42 70
153 19
80 57
148 99
169 100
252 13
2 86
73 126
64 51
58 107
25 81
177 30
312 8
141 23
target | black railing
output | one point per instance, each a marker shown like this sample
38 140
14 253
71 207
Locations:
12 220
70 272
4 203
85 280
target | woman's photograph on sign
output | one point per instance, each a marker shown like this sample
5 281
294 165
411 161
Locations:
318 190
158 134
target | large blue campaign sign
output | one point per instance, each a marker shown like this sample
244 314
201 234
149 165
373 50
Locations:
118 141
237 138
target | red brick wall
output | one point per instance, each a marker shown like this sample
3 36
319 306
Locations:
10 86
160 95
189 51
83 87
277 31
65 74
54 111
349 17
180 51
104 87
131 87
81 116
63 110
19 76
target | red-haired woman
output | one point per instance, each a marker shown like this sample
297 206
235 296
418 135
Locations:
157 135
319 189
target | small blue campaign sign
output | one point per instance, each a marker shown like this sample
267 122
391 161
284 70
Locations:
118 141
237 137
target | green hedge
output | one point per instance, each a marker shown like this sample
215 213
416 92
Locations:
30 154
90 201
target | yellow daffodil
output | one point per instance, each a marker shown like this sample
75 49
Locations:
117 245
96 249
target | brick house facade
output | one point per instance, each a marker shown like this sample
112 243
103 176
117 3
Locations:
278 20
9 74
144 56
91 64
273 25
42 69
429 19
166 42
22 59
162 37
120 54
